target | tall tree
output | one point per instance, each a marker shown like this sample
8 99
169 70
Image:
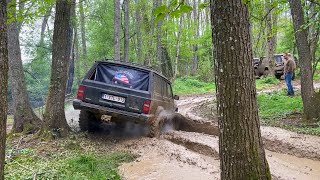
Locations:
54 116
310 100
126 30
242 155
178 48
270 20
116 30
24 117
43 27
138 31
196 35
83 33
3 83
73 27
159 36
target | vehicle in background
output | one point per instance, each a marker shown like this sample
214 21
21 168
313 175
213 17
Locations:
262 66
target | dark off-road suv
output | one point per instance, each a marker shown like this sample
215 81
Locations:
262 67
126 92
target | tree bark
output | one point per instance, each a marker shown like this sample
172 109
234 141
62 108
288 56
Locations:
55 123
150 29
159 43
178 48
138 31
310 100
3 83
116 30
126 30
242 155
72 48
313 35
196 35
25 120
83 33
43 26
270 36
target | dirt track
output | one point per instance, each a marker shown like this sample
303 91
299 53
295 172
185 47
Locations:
194 155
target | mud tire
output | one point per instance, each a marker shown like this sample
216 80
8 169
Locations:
278 76
156 128
156 124
88 121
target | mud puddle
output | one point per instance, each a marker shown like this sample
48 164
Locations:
282 166
158 167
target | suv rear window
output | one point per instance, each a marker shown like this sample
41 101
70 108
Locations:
121 76
278 59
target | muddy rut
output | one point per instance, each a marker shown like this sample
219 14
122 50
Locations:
193 151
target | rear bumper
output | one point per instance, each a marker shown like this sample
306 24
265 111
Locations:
142 118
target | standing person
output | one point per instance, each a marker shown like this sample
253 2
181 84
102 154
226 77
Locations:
289 67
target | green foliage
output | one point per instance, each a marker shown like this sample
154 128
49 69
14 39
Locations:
191 85
277 109
316 76
274 106
65 161
266 82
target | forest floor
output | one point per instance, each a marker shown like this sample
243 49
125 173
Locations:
194 152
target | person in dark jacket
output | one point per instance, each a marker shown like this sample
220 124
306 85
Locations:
289 67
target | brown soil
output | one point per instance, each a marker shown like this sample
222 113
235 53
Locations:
195 155
193 152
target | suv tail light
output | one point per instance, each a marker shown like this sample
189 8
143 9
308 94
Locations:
146 106
80 94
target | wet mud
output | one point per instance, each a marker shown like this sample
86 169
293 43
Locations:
192 151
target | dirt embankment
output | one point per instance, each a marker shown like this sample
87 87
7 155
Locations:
193 152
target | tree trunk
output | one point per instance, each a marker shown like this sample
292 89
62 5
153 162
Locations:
43 27
138 31
150 52
3 84
25 120
126 30
159 43
310 101
166 66
196 35
83 34
72 48
116 30
270 36
178 48
242 155
313 35
55 123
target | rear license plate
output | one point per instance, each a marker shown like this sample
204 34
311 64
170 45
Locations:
113 98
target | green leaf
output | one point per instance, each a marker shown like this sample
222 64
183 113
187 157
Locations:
173 3
185 8
159 17
160 10
203 5
175 14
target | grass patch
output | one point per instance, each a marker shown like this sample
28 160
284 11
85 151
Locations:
191 85
9 120
59 160
266 82
274 106
277 109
